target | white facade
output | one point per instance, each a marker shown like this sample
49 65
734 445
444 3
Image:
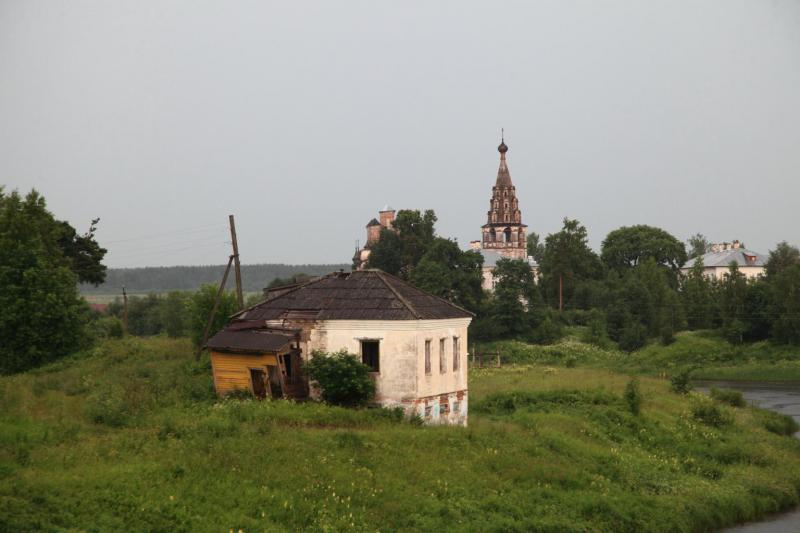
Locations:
437 394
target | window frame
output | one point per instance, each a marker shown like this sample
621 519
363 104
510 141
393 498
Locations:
376 368
428 356
456 354
443 355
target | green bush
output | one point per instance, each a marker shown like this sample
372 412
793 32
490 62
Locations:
107 406
778 423
108 327
681 382
731 397
547 332
633 337
342 378
633 397
596 332
704 410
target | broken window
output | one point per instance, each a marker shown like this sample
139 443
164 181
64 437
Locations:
456 406
428 411
456 355
370 355
428 356
442 359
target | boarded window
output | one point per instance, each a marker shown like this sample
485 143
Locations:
442 358
370 355
428 356
456 355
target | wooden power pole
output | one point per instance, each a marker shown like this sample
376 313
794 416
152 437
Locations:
124 311
214 309
237 269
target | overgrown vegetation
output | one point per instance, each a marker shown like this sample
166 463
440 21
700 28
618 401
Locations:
129 436
342 378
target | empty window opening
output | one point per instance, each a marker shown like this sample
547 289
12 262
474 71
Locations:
286 362
507 232
442 358
274 382
427 356
370 355
456 355
258 383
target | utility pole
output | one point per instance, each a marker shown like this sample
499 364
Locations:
214 309
124 311
237 270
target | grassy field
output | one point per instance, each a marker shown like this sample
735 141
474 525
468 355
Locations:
704 352
130 437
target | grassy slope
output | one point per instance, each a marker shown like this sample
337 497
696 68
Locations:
706 352
129 437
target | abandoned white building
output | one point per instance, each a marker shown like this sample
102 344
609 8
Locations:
717 262
504 234
414 342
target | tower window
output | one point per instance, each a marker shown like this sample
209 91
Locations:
370 354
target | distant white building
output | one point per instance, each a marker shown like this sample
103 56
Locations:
490 258
717 262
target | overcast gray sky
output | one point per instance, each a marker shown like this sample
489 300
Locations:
304 118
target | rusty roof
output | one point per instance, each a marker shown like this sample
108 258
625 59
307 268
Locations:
359 295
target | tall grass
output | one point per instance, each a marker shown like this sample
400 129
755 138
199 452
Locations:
130 437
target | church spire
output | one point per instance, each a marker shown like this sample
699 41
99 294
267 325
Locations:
503 175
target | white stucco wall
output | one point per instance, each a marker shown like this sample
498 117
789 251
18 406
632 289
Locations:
719 272
402 380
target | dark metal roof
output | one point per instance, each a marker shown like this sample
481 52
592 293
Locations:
373 222
359 295
249 341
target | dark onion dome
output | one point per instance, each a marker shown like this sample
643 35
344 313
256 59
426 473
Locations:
502 148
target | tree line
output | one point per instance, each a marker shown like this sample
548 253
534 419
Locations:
189 278
630 292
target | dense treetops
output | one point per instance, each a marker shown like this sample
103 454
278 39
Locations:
42 316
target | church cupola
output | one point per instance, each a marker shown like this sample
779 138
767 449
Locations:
504 230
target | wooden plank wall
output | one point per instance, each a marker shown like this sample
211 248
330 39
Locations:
232 371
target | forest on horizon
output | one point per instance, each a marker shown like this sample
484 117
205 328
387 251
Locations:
189 278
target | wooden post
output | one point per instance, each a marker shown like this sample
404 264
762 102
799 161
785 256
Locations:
237 269
214 309
124 312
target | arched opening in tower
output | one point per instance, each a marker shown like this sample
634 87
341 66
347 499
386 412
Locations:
507 233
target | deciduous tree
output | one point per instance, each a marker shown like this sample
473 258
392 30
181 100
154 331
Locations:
567 257
627 247
42 317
